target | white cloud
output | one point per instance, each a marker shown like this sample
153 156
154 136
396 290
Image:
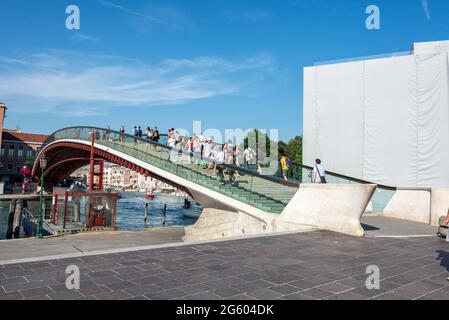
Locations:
425 5
151 16
85 37
81 85
129 11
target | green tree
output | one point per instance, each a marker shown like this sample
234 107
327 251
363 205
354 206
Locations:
292 149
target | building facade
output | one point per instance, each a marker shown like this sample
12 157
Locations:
17 148
2 118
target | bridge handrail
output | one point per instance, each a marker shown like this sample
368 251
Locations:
274 179
243 170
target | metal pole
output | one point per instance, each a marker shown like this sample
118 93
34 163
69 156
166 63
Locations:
66 198
40 218
55 210
92 163
165 215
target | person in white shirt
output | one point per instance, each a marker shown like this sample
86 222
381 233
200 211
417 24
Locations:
207 151
219 159
318 173
248 156
201 138
171 142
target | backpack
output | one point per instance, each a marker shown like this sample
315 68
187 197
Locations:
203 164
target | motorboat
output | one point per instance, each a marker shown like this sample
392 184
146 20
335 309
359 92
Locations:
150 196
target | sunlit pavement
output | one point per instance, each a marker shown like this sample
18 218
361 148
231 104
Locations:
316 265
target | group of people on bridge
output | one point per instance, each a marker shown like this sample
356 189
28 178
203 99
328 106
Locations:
211 156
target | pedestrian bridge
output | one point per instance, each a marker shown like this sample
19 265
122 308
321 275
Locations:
267 198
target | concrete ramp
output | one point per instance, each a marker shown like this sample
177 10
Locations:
384 227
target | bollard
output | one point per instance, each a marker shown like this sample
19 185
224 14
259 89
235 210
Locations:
17 218
145 213
165 215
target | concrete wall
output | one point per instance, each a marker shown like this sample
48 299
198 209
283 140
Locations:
218 224
411 205
440 204
330 207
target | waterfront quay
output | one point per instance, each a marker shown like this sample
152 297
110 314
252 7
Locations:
310 265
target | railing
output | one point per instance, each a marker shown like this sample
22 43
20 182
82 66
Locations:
29 224
267 192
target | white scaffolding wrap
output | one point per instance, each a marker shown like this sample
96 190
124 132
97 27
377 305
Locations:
382 120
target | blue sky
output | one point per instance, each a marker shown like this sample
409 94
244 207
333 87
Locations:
230 64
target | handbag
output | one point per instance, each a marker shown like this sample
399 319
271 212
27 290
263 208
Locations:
323 179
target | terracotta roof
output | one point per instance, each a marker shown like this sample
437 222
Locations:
25 137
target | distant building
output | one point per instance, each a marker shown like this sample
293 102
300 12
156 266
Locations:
119 178
2 118
16 148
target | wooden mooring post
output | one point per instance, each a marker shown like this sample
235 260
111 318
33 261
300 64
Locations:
165 215
15 218
12 212
145 213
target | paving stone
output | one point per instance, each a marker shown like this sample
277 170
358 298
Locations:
253 285
303 284
226 292
66 295
335 287
12 296
200 296
285 289
441 294
316 265
317 293
121 285
165 294
195 288
297 296
251 276
264 294
36 293
348 295
142 290
113 295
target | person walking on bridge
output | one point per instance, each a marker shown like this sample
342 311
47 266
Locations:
140 132
156 135
122 133
135 133
318 173
149 134
285 165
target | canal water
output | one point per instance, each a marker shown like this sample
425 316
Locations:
130 212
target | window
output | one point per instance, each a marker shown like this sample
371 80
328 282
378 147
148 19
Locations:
11 151
3 151
21 152
30 152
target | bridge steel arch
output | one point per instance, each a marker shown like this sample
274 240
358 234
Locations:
65 157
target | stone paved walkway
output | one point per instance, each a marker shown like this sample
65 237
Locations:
317 265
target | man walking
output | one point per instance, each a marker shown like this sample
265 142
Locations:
318 173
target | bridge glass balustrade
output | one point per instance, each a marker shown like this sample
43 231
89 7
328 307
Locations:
266 192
